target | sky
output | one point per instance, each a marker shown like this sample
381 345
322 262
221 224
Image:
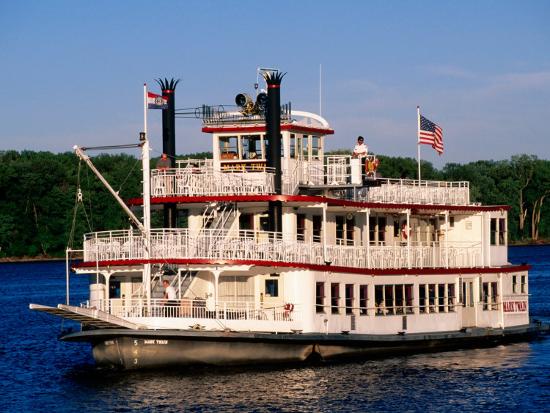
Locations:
71 72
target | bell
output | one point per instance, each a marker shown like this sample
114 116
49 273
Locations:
242 100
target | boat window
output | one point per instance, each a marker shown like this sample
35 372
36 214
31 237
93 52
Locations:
292 146
399 299
271 288
251 147
377 230
320 297
502 231
305 147
350 229
388 299
264 223
493 231
451 298
394 299
182 218
431 298
514 284
345 227
524 284
317 227
490 296
236 288
438 298
349 298
335 298
422 298
246 222
301 227
315 147
379 299
363 299
114 288
229 147
441 298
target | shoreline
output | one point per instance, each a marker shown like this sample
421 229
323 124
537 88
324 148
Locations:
21 260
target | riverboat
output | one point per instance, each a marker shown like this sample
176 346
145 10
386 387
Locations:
274 251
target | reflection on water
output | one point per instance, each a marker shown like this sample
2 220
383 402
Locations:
498 378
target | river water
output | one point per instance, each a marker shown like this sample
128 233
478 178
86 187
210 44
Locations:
39 373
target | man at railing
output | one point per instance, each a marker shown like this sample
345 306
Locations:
361 150
171 302
163 163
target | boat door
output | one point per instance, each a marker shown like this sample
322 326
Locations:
468 302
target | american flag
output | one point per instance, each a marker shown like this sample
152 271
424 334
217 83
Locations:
430 134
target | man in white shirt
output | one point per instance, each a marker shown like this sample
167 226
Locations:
170 300
361 150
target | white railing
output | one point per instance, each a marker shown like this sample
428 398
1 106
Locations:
195 177
273 247
195 308
203 180
425 192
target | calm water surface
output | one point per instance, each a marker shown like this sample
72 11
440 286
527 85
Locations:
39 373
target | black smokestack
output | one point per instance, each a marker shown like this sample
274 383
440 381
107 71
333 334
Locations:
169 138
273 133
273 124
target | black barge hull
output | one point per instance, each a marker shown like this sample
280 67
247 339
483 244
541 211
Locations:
134 349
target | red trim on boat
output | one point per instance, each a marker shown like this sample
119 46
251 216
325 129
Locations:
313 199
313 267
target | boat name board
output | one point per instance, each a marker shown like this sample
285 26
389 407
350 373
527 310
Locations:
515 306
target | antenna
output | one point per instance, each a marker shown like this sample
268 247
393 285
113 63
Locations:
320 89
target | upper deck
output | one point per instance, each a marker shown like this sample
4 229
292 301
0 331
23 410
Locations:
240 167
331 177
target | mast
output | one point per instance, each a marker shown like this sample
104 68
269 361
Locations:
144 139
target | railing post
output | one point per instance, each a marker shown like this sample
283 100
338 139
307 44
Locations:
367 216
408 239
447 239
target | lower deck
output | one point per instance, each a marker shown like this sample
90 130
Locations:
270 299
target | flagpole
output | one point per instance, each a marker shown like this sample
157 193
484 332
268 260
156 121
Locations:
418 141
146 200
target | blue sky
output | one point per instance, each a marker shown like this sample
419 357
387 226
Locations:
71 72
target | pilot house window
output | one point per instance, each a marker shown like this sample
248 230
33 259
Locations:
229 147
252 147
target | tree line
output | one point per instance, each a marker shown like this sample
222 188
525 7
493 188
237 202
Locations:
48 201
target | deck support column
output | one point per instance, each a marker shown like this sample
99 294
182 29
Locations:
326 259
446 239
408 238
216 274
367 217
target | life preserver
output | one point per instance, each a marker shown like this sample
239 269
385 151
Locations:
371 166
289 307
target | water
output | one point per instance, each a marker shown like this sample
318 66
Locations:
39 373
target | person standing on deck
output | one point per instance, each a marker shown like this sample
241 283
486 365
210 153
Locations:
360 152
163 162
361 149
170 300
